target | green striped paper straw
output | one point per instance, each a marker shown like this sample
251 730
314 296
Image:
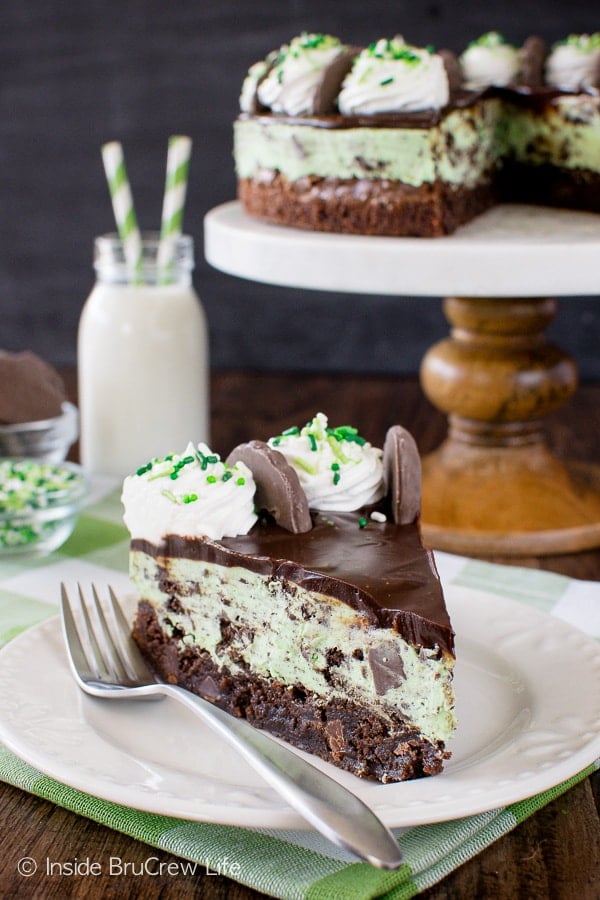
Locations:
178 163
122 203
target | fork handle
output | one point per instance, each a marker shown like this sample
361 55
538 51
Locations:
328 806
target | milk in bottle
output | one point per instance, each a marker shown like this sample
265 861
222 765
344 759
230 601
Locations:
142 358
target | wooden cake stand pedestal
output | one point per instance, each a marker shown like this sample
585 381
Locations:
493 487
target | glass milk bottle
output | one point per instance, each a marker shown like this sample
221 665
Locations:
142 358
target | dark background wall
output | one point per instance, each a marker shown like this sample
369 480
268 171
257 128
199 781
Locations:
74 75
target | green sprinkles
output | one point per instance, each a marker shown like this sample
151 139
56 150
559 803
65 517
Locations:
362 522
489 39
306 42
584 42
314 432
317 434
334 443
305 466
311 41
29 486
172 466
346 433
392 49
180 464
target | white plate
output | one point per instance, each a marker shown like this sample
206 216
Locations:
528 689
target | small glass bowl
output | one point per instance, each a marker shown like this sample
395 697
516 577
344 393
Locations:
48 439
39 505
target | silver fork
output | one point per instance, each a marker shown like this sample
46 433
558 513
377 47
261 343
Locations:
107 663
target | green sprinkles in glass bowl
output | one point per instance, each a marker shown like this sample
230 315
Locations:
39 503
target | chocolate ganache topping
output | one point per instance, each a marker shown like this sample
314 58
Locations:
380 569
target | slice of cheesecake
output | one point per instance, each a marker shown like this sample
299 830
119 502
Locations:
324 625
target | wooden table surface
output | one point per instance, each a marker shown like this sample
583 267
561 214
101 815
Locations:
554 854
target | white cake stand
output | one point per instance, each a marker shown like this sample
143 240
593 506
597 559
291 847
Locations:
493 487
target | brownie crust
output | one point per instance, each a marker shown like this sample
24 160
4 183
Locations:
550 186
364 206
337 731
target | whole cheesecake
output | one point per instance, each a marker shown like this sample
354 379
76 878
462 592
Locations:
289 585
394 139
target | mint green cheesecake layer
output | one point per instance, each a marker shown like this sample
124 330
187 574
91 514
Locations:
567 135
464 148
288 636
460 149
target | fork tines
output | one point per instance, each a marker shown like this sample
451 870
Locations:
97 636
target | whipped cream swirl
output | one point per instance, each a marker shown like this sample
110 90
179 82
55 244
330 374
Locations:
191 494
338 469
292 81
391 76
574 64
255 75
489 60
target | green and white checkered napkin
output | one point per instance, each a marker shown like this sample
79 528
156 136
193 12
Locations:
286 864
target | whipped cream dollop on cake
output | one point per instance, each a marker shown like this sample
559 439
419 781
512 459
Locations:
291 81
337 468
392 76
489 60
574 64
256 73
191 494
